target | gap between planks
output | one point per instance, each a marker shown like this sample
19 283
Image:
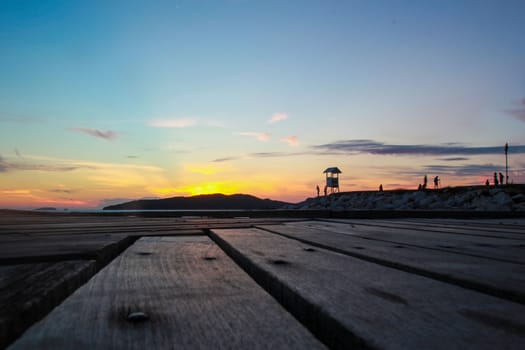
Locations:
349 302
192 296
340 245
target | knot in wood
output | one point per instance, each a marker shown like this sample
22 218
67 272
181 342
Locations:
279 262
137 317
144 253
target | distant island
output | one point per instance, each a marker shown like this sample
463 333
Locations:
201 202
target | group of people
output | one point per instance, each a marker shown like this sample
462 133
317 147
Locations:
325 190
437 183
496 182
499 179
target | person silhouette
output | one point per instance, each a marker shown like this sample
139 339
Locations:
381 188
325 190
496 179
501 177
425 181
487 183
436 182
317 187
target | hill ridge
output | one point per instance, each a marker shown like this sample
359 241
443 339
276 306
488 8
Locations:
214 201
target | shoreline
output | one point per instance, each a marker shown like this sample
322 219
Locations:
284 213
505 201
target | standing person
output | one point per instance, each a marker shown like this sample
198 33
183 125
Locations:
381 188
495 179
501 178
436 182
325 190
317 188
425 180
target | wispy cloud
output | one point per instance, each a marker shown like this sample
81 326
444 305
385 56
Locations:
173 123
9 166
268 154
277 117
107 134
4 166
36 163
291 140
15 192
454 159
379 148
518 113
225 159
261 136
60 190
263 155
464 170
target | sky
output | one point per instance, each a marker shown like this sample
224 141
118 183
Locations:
107 101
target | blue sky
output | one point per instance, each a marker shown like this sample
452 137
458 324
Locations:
180 95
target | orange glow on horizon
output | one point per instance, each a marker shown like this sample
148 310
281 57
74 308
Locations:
31 201
87 192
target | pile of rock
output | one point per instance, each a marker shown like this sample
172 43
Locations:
503 198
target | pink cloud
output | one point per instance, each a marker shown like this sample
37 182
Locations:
261 136
291 140
518 113
107 135
172 123
277 117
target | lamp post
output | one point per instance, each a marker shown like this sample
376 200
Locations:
506 164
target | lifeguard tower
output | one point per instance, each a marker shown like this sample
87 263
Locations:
332 179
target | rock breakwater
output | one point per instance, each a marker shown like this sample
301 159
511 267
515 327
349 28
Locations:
477 198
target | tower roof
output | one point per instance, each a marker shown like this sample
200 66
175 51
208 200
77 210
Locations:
333 170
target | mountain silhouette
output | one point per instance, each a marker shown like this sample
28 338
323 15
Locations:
202 202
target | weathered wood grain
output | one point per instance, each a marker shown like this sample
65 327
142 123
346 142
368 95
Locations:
503 249
45 249
468 231
194 297
510 224
498 278
97 226
29 291
348 301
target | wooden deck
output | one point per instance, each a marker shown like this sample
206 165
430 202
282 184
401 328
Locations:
130 282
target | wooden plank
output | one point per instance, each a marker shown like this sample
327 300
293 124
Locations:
29 291
39 248
32 220
428 228
193 294
54 229
348 301
43 249
509 250
502 279
481 226
117 233
505 223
